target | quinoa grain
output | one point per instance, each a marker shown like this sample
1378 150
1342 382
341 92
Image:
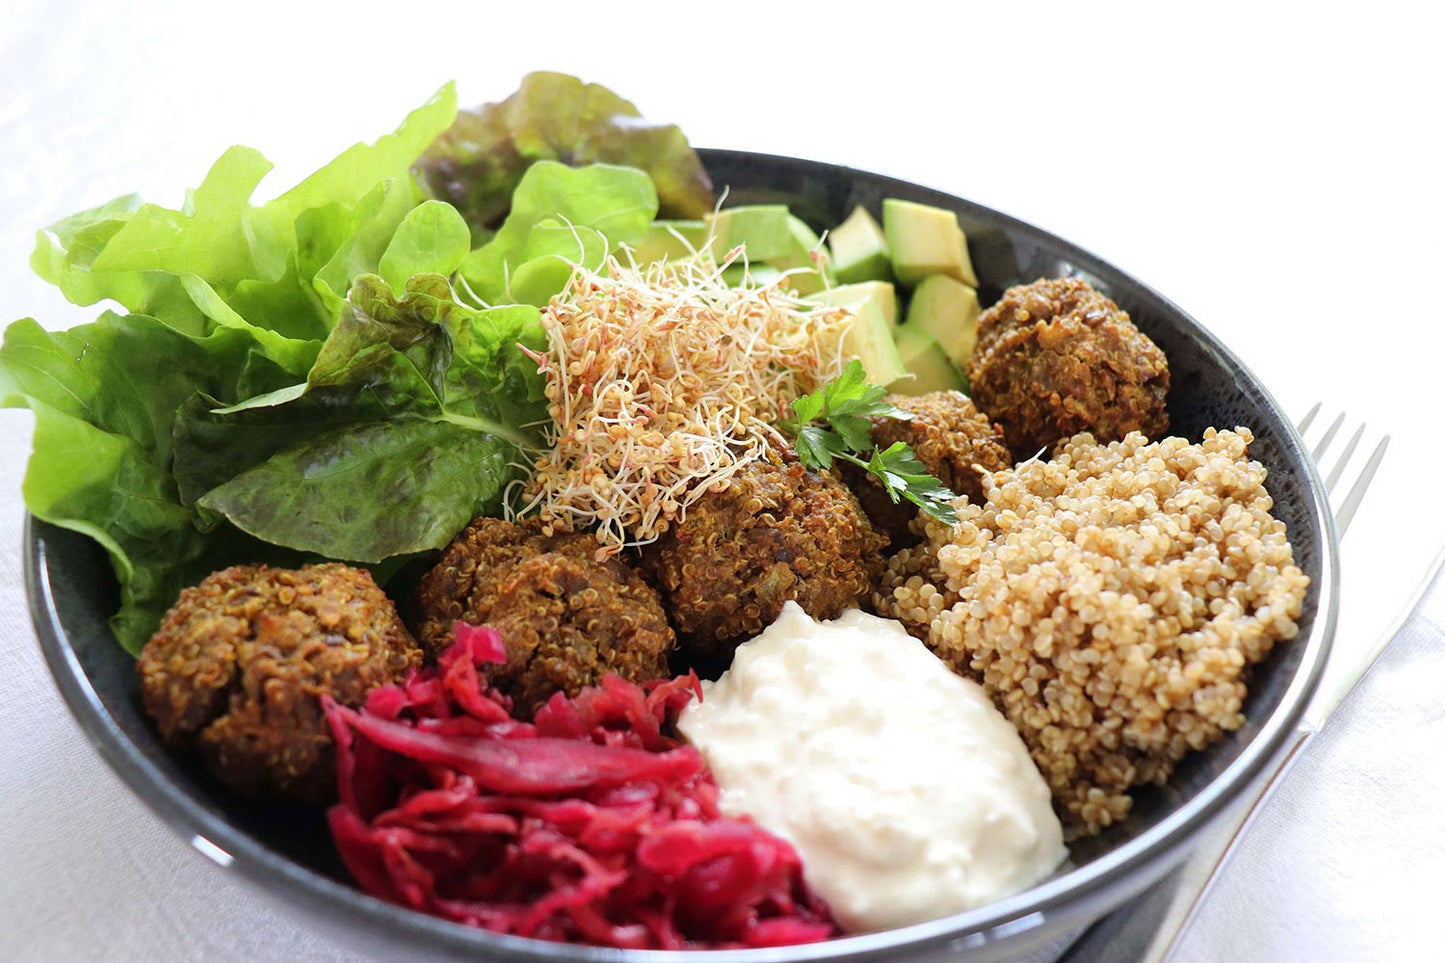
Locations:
1110 601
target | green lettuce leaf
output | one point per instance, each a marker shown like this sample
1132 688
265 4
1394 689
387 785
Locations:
353 177
549 210
491 378
206 236
291 354
418 358
284 266
432 239
371 492
103 442
65 254
396 348
229 302
477 164
546 260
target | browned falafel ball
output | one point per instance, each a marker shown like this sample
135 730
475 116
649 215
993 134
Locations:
565 617
240 662
1056 357
776 533
951 438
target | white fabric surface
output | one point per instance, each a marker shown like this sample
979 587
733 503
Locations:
1275 173
1354 830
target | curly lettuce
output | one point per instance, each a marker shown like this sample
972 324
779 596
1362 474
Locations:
299 378
478 163
225 302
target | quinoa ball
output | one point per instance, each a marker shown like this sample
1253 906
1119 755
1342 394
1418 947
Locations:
955 443
1111 602
566 617
1055 358
776 532
238 666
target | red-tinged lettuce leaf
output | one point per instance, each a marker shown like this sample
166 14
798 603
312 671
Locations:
479 161
397 348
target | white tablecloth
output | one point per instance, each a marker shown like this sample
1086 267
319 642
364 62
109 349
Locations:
1274 173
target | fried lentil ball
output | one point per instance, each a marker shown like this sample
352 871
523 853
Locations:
1110 602
239 664
1055 358
565 617
776 533
951 438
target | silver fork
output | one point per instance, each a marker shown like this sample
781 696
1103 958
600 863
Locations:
1201 869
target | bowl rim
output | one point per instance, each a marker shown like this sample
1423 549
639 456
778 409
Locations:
1079 894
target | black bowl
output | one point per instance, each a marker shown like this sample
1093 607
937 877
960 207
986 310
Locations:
72 593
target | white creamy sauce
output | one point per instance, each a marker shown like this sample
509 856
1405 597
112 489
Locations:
908 795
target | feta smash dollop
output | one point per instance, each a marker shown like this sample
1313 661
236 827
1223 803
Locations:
907 793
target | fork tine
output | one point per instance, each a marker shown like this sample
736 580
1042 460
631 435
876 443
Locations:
1344 459
1357 493
1324 444
1308 419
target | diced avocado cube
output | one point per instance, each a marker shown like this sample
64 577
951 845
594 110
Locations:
756 275
763 229
948 310
928 365
816 276
772 236
859 251
670 240
880 293
924 240
870 340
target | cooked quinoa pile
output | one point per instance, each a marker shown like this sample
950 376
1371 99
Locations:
1110 601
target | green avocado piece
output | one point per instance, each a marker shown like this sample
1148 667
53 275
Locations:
924 240
771 236
858 249
764 229
928 365
870 340
670 240
948 310
880 293
757 275
815 278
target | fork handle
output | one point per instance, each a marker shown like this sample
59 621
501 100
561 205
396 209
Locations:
1201 868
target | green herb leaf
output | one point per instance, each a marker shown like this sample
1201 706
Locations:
807 408
903 474
847 404
816 447
855 431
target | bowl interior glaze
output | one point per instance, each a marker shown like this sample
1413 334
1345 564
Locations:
287 852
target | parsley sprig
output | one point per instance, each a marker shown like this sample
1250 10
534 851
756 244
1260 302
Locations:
835 422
